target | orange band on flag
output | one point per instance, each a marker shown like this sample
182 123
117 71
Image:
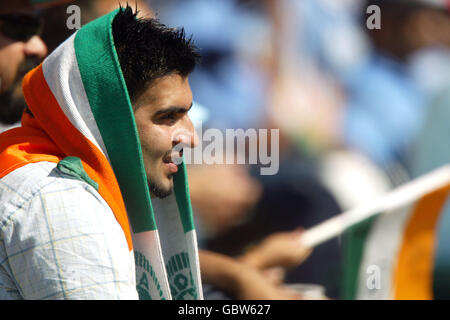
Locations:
413 276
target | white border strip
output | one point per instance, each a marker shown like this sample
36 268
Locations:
64 79
381 249
194 260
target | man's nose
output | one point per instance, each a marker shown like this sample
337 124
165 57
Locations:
187 135
195 139
36 47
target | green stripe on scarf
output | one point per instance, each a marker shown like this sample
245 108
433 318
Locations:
97 60
181 189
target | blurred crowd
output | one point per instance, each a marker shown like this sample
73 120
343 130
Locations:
360 111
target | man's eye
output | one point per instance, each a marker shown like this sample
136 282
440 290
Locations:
169 117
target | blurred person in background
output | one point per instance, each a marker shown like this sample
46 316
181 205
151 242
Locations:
415 40
21 49
387 75
258 273
390 95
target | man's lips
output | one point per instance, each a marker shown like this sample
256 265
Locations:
172 167
171 161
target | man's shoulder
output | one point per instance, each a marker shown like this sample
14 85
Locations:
42 181
60 238
28 180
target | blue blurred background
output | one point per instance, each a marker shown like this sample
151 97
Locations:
360 110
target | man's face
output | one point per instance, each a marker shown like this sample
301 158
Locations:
162 121
17 57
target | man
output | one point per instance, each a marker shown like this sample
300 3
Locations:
237 278
20 50
92 202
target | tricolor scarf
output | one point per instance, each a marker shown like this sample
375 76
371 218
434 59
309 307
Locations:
81 110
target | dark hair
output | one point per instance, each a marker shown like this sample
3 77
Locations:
149 50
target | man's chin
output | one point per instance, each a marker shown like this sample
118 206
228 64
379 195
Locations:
11 107
12 101
160 191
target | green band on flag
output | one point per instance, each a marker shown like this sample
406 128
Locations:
354 241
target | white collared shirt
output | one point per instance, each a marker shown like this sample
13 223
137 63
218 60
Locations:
60 240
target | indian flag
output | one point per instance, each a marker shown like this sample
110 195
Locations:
391 245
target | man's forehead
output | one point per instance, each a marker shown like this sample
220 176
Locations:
167 91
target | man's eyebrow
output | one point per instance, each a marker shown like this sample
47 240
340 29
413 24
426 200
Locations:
175 109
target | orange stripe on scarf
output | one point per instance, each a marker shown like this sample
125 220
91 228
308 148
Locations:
50 136
413 276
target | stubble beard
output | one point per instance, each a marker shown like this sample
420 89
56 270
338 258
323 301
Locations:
12 105
159 191
12 101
